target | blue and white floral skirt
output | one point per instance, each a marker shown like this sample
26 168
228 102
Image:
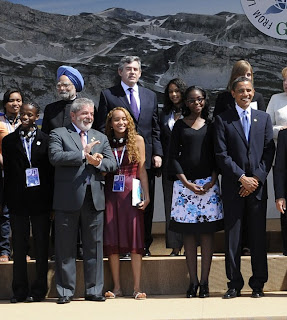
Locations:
193 213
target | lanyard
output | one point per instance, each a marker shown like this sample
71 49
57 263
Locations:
28 150
119 162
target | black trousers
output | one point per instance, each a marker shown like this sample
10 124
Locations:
20 226
254 211
148 215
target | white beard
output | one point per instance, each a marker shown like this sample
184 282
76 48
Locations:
83 126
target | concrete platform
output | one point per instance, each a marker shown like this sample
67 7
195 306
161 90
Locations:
272 306
160 276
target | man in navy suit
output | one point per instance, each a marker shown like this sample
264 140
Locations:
244 150
142 105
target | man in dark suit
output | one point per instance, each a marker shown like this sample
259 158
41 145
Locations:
81 156
142 105
244 150
28 188
280 182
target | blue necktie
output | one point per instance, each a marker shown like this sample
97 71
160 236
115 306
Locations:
245 124
133 104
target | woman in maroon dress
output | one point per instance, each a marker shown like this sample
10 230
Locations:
124 223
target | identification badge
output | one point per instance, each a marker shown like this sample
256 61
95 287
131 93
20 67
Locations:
32 177
119 183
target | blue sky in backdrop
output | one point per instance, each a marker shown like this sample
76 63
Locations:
148 7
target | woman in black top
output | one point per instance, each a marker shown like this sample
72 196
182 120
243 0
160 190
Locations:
225 100
171 112
196 206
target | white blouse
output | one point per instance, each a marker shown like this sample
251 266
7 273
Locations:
277 109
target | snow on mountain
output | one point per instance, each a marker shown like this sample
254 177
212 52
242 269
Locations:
199 48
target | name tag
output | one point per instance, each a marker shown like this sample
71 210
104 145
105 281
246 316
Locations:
119 183
32 177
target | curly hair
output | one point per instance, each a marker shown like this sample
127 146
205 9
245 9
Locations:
167 103
206 112
132 149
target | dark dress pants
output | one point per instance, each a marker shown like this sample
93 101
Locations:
5 233
255 214
148 215
20 226
66 231
283 220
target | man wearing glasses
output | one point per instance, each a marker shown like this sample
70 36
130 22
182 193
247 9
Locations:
57 114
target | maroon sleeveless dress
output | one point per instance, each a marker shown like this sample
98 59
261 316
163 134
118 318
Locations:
124 224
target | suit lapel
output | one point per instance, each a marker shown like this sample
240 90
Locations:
36 145
254 123
19 145
75 136
122 96
238 126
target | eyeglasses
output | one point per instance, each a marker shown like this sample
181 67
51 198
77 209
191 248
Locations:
194 100
63 84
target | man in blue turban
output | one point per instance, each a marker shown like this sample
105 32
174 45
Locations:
74 76
57 114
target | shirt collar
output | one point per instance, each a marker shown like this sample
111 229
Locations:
240 110
126 87
79 130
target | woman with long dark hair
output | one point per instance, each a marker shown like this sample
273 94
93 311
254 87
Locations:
9 122
171 112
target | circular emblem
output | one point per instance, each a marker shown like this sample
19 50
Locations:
268 16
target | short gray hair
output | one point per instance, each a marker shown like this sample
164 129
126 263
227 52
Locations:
79 103
129 59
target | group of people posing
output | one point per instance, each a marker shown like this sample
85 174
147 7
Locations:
82 166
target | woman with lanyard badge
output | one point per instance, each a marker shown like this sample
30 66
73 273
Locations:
9 121
27 175
124 223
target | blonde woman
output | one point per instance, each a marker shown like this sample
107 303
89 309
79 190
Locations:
224 100
124 223
277 109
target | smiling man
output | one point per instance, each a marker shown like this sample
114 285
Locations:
244 150
142 105
81 156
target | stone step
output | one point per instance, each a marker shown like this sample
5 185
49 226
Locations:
160 276
273 239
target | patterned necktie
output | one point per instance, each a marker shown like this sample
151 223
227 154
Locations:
133 104
83 139
245 124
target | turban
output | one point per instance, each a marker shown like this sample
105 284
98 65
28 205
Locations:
74 76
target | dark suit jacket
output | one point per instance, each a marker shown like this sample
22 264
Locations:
71 171
225 101
56 115
235 156
19 198
165 137
147 124
280 168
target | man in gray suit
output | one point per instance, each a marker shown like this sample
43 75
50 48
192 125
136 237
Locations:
81 157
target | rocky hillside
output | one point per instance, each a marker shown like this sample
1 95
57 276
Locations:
199 48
